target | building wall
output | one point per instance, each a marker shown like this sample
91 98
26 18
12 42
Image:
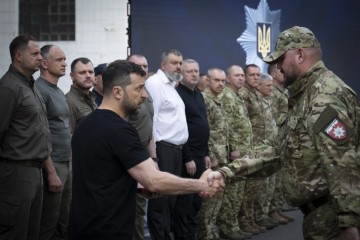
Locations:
100 33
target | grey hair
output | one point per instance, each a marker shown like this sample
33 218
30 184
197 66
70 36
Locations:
189 61
165 55
264 77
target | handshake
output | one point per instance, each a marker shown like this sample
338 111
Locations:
155 183
264 163
213 181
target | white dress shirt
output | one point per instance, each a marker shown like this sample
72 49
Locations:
169 110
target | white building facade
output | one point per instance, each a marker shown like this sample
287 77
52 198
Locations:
100 33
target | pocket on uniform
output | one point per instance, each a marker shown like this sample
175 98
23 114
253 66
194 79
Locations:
9 211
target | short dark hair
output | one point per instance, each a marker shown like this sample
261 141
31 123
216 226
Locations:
134 55
83 60
246 68
118 74
20 43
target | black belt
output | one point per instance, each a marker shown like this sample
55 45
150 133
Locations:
27 163
311 206
172 145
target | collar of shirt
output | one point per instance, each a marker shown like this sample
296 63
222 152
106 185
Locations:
165 79
83 95
182 86
29 80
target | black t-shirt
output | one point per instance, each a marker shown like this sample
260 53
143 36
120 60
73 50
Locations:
104 147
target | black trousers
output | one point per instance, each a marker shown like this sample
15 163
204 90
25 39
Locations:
160 209
187 207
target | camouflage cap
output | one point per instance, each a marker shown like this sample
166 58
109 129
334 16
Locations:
293 38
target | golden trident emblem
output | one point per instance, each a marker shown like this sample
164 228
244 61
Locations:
264 39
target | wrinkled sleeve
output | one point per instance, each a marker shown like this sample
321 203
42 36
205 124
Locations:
155 94
229 109
7 108
72 115
246 166
186 153
339 157
265 157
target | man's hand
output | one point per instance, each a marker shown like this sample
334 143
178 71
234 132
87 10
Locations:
191 168
234 155
54 182
215 176
351 233
207 162
214 181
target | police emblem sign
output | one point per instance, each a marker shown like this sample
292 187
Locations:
262 28
263 39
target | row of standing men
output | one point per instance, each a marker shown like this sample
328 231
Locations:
37 128
65 112
178 132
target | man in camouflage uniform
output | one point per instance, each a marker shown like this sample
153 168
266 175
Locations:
253 103
240 143
279 107
218 151
266 195
321 151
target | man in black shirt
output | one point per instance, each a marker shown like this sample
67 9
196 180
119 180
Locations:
105 174
195 150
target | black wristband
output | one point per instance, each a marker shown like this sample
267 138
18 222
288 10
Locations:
155 159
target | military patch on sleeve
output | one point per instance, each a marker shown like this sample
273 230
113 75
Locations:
330 123
336 130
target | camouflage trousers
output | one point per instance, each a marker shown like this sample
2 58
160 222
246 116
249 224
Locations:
278 200
252 190
321 224
206 218
262 203
228 215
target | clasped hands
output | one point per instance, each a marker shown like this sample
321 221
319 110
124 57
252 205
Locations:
214 182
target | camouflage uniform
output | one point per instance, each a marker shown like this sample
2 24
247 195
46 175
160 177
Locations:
253 102
266 195
218 153
321 151
264 156
321 159
240 138
279 107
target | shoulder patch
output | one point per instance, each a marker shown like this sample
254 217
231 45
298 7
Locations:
332 126
336 130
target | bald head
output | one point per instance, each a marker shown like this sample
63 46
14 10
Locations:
235 77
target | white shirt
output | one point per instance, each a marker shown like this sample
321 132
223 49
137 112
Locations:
169 110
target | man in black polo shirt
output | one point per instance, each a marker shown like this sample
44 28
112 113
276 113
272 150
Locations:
24 143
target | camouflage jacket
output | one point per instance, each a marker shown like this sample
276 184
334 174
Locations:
279 104
240 131
320 152
219 136
271 128
253 103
